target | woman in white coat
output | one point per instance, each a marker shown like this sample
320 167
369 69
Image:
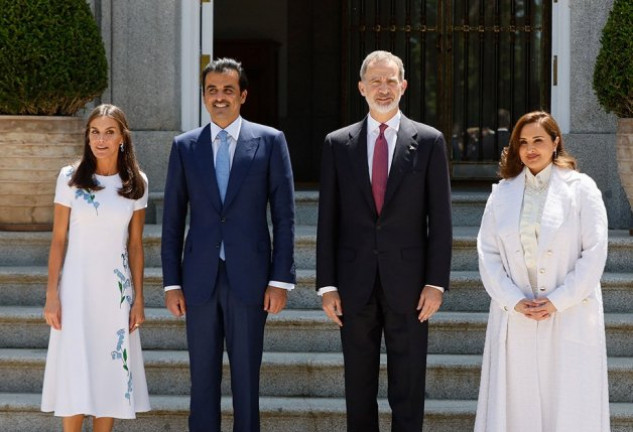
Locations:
542 248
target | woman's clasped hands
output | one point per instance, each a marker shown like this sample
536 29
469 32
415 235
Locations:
537 309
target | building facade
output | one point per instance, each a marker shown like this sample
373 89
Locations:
474 66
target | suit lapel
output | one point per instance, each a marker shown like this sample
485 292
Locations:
508 206
206 167
245 150
357 149
507 212
555 209
406 145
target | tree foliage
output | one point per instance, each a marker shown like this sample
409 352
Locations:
613 74
52 59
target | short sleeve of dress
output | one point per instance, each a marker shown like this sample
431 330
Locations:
141 203
63 192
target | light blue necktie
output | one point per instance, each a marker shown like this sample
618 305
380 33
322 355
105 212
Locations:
222 171
223 164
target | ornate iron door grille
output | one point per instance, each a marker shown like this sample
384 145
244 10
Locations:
473 67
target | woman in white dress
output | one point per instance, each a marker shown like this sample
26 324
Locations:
542 249
94 302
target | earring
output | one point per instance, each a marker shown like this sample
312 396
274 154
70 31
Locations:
555 153
121 147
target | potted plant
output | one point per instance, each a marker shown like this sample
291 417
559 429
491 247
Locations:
613 84
52 62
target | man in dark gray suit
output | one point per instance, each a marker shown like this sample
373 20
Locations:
384 246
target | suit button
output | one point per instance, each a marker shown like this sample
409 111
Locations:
378 227
217 246
549 252
375 251
505 308
541 289
541 271
585 301
223 220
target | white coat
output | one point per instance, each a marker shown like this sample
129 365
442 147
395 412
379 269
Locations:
547 376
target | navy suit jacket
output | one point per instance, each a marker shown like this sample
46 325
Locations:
261 175
409 244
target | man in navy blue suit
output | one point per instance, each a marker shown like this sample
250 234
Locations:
230 275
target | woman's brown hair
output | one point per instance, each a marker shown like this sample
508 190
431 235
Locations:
511 165
133 186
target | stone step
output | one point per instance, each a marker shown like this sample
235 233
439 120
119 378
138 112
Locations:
282 374
20 412
294 374
619 260
298 331
26 286
467 293
468 207
31 248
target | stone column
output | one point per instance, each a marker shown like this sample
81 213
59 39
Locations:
592 133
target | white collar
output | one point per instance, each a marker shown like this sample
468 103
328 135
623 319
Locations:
373 125
233 129
540 180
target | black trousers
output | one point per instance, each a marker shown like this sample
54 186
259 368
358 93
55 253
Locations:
406 342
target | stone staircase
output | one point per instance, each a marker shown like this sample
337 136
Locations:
302 372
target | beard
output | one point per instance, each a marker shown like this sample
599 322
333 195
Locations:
383 109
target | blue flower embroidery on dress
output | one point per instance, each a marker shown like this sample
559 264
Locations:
88 197
121 353
124 282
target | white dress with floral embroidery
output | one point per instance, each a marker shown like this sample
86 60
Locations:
94 366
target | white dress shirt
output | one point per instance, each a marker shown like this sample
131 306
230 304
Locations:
233 131
391 134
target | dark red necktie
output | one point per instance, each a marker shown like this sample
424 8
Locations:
379 169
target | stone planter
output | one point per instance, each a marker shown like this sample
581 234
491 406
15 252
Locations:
33 149
624 148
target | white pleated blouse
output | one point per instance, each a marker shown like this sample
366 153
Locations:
530 224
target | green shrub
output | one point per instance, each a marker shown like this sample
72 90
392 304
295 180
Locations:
52 60
613 75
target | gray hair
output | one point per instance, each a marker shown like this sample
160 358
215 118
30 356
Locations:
379 56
